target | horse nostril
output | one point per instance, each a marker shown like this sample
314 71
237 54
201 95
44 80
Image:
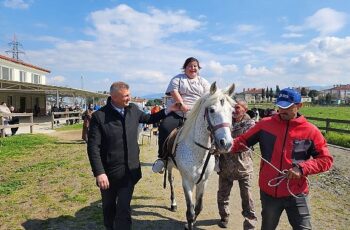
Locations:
222 142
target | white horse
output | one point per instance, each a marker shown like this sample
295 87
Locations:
208 125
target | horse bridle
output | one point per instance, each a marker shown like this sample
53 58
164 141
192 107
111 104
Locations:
211 128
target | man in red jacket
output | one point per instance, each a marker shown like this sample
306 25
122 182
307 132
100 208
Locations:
293 146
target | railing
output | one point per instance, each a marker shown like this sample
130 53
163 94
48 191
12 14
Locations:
328 121
65 117
3 126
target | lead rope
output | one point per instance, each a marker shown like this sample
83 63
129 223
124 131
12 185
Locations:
274 182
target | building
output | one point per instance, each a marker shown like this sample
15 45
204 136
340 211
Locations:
339 93
23 86
251 96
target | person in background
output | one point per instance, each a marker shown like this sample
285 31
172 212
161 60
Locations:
292 149
13 121
185 89
87 118
237 167
114 153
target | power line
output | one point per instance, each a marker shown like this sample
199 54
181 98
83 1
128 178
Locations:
15 51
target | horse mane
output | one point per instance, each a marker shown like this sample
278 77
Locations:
205 101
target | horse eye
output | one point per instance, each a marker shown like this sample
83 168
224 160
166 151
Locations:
211 110
222 101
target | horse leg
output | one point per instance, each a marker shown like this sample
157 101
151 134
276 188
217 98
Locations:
188 188
199 198
173 206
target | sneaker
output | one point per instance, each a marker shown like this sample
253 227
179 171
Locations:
158 166
223 223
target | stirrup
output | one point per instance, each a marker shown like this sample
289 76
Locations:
158 166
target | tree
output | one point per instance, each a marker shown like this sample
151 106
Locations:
328 98
303 91
263 93
150 103
277 92
313 93
271 94
158 101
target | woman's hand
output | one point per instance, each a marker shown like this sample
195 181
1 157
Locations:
184 108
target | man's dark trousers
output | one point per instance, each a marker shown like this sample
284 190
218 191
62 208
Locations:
297 209
116 204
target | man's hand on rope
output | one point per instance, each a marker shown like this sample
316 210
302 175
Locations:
294 173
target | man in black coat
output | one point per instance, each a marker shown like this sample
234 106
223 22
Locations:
114 153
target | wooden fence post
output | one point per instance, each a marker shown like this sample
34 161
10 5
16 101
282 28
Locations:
327 125
31 121
52 119
1 124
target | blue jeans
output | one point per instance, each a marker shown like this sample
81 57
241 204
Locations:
297 210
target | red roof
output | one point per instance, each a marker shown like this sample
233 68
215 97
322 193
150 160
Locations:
341 87
253 91
23 63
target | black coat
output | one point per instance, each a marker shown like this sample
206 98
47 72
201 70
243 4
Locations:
112 143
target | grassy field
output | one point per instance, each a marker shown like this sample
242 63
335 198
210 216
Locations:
331 112
46 183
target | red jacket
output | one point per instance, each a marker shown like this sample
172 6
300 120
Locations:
285 144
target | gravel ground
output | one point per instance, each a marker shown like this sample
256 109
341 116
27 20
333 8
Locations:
329 196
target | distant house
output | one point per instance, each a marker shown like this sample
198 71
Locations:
252 95
140 102
338 92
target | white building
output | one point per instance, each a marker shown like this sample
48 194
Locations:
23 86
14 70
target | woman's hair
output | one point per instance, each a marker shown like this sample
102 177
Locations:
189 60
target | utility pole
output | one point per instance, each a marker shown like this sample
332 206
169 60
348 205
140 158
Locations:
15 48
82 82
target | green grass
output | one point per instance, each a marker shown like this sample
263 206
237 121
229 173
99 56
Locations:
338 139
332 112
70 127
22 144
46 184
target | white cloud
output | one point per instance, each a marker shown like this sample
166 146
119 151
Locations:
127 26
16 4
326 21
220 69
249 70
56 80
237 34
292 35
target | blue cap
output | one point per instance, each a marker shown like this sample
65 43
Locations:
288 97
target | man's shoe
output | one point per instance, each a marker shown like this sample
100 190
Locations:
158 166
223 223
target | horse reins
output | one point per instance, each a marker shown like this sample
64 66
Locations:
212 147
274 182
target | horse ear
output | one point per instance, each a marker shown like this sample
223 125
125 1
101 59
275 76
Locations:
213 88
231 90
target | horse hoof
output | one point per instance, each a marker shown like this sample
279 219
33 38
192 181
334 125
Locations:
173 208
187 228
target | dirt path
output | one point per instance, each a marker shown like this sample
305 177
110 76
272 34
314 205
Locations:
151 202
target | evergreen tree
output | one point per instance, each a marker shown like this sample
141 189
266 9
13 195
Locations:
303 91
271 94
277 92
263 93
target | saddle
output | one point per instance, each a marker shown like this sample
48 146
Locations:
169 146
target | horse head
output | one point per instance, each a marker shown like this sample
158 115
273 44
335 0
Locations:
218 115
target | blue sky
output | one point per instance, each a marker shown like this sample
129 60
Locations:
249 43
